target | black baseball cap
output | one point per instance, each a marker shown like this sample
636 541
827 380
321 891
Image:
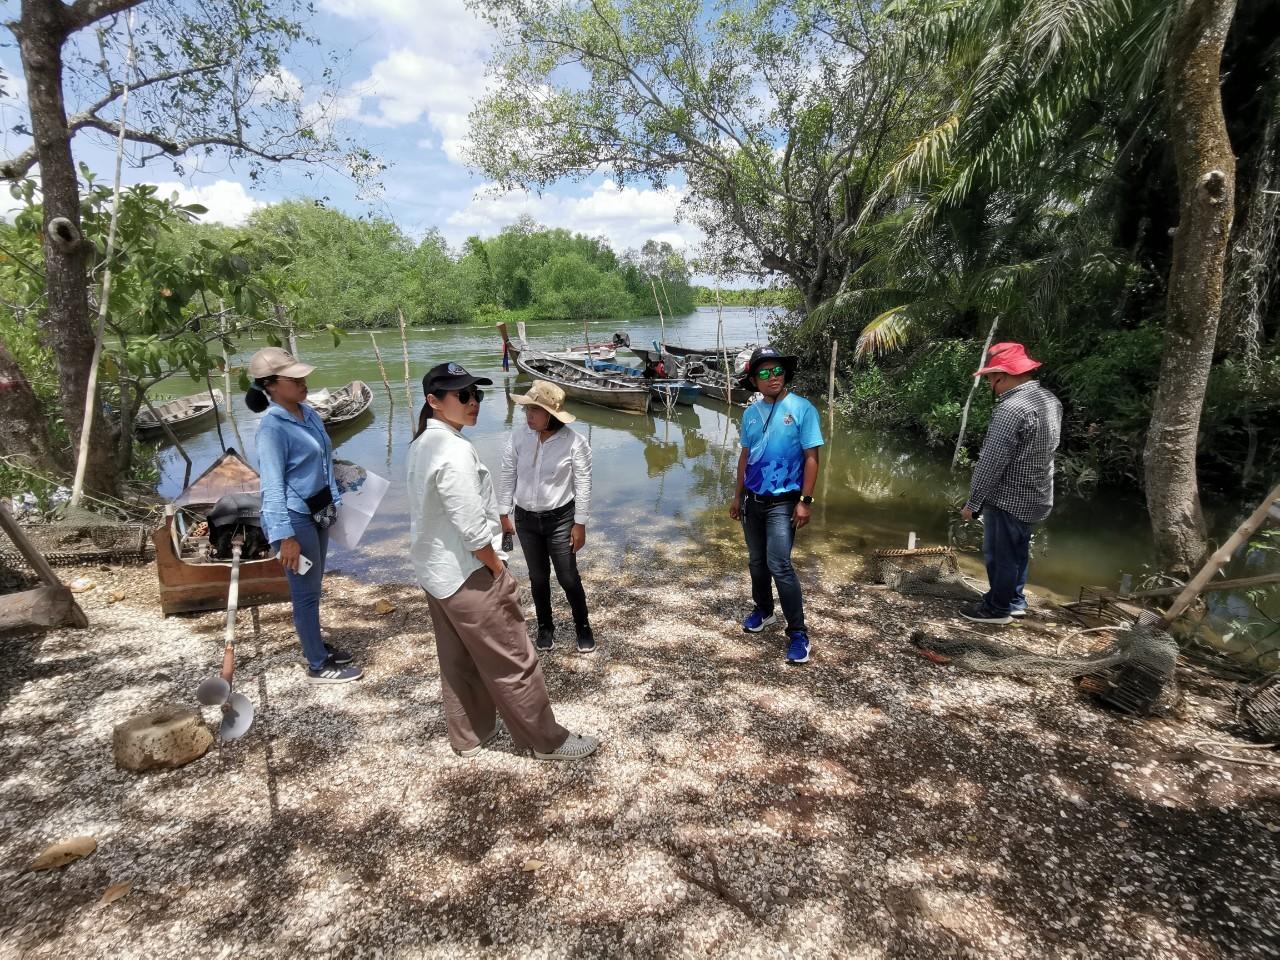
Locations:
763 355
444 377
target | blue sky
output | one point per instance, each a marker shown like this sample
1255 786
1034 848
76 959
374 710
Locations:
412 72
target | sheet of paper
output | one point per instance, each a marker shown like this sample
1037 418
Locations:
361 491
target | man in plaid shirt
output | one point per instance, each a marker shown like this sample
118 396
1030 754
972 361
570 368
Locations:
1012 486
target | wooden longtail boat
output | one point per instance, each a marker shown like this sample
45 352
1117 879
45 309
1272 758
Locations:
186 587
177 412
581 384
713 387
343 405
577 355
685 391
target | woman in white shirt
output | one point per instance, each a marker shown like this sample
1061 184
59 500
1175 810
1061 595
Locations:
546 483
487 665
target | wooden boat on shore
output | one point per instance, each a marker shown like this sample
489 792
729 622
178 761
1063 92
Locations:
339 407
176 413
579 383
189 581
684 391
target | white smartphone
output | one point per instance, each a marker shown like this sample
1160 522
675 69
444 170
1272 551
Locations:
303 564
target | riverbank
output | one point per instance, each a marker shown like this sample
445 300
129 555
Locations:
870 804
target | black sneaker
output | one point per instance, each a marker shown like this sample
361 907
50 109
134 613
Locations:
546 638
333 673
586 640
340 657
978 613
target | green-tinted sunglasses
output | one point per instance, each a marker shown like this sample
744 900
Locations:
768 373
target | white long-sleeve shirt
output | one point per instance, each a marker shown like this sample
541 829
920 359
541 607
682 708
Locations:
540 475
452 509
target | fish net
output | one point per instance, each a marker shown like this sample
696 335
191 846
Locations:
81 538
925 571
1131 669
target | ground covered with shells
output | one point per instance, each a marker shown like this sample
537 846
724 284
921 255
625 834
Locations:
869 804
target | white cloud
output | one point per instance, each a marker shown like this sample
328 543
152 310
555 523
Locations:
434 72
228 201
627 216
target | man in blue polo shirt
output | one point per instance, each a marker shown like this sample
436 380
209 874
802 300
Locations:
777 469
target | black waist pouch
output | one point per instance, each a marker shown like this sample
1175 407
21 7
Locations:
321 506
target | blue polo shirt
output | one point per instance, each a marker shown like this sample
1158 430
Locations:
775 458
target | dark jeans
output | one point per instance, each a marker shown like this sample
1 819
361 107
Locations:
305 589
544 538
769 534
1006 546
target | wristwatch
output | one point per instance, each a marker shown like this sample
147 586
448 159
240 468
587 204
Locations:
807 501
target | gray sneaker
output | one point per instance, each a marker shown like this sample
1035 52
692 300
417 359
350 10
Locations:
332 673
576 747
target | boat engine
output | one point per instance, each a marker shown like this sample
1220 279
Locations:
238 513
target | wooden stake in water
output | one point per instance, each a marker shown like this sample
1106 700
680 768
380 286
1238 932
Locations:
964 417
381 369
408 391
226 379
662 324
831 382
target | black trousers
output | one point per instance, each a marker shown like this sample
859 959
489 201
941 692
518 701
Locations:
545 540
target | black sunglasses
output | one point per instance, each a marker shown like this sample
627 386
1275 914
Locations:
465 394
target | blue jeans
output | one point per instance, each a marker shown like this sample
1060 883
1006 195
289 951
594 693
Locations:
304 589
1006 546
769 535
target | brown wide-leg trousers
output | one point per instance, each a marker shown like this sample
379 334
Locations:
487 663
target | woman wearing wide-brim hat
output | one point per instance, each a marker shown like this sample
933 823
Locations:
487 665
299 498
546 486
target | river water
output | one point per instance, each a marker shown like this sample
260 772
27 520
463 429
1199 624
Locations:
667 477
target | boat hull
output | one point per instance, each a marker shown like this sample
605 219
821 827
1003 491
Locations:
192 587
716 391
605 392
178 413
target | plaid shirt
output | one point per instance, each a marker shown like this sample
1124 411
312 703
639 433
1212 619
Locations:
1015 468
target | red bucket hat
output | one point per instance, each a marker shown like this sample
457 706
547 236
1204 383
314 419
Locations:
1010 358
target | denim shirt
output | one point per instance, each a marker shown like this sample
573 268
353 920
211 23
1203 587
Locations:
295 459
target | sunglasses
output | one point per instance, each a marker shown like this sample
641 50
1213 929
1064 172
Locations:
768 373
466 393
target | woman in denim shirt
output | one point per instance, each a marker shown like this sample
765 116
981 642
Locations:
299 498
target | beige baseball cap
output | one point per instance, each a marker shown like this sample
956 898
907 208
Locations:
547 396
275 362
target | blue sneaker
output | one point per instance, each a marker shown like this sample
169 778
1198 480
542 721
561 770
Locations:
757 621
798 652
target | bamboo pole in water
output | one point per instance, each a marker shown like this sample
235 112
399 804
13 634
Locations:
91 389
662 324
964 417
831 381
724 350
381 368
404 346
226 380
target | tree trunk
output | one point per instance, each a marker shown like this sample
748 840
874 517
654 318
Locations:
1206 190
41 32
24 430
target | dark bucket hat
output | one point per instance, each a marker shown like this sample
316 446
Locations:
767 355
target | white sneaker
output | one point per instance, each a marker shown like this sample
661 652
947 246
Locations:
576 747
